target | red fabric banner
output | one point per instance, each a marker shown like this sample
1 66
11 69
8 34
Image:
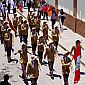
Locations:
50 11
10 23
20 7
77 63
77 76
77 52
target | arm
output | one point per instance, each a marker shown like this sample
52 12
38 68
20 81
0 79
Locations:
82 48
19 51
56 53
45 54
72 49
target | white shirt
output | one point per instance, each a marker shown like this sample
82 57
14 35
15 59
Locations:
14 4
8 1
0 5
27 1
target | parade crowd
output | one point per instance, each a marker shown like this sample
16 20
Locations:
42 48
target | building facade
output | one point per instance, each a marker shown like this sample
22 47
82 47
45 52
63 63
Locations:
75 13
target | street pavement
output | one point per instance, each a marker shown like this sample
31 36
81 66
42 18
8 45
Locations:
67 40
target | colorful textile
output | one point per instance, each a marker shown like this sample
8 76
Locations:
77 64
10 23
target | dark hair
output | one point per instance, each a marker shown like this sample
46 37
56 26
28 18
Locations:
6 77
78 41
61 11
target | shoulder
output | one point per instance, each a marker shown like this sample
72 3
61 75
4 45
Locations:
73 47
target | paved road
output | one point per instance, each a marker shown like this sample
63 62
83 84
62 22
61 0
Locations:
14 70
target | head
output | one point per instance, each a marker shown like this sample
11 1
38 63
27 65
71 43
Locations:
45 4
15 15
56 28
25 22
40 39
9 30
33 57
53 9
44 23
20 17
5 23
61 10
2 21
51 46
6 77
23 46
33 30
78 42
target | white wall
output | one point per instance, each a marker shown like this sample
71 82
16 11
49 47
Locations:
81 10
67 5
51 2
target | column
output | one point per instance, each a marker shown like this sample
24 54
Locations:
75 8
56 5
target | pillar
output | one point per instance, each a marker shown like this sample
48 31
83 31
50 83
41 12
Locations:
56 5
75 8
75 13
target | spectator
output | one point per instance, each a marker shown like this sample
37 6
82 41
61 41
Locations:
53 17
62 18
14 6
5 82
28 4
45 11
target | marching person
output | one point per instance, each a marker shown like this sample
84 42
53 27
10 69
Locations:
45 31
14 6
37 24
74 48
28 4
33 4
40 49
6 25
39 10
42 2
15 23
23 59
61 18
24 29
34 39
50 53
8 44
3 31
24 2
77 57
31 23
55 36
45 11
66 63
53 17
4 2
33 70
9 5
1 8
1 24
20 22
4 12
